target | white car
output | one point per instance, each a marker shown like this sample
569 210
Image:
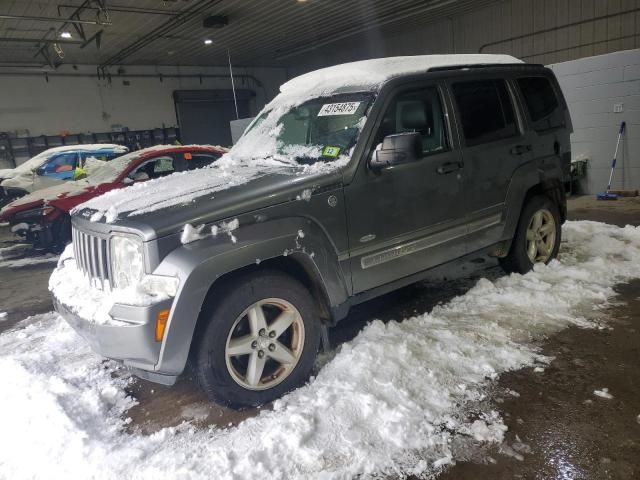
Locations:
52 167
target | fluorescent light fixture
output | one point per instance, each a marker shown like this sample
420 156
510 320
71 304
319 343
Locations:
65 35
208 41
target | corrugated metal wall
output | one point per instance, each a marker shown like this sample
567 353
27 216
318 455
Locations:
495 25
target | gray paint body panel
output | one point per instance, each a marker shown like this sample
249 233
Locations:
351 247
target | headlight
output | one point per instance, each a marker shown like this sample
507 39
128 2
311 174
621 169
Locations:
127 262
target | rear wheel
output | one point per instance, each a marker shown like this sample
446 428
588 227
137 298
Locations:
537 238
260 341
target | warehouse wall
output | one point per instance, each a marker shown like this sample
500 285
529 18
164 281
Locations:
592 87
471 31
81 104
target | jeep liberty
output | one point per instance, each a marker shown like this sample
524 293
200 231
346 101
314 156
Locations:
355 180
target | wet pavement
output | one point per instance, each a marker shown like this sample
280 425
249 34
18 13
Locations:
558 428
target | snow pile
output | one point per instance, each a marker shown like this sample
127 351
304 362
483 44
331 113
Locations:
391 402
191 234
28 261
72 287
603 393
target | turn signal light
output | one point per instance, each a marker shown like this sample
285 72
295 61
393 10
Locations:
161 324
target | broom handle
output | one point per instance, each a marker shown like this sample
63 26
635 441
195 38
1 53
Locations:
615 155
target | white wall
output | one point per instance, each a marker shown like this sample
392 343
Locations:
81 104
592 86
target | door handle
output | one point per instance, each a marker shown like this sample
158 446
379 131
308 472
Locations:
448 167
521 149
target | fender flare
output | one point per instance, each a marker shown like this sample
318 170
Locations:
527 177
200 264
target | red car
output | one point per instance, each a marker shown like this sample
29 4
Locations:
42 217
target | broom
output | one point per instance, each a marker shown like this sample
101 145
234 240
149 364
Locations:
608 195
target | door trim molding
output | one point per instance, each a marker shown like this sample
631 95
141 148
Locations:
429 241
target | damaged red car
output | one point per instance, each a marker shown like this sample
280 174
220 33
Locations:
43 219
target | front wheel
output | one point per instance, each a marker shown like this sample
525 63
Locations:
260 340
537 238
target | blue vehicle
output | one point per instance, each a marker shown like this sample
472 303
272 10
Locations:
52 167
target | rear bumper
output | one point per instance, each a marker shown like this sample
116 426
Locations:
129 339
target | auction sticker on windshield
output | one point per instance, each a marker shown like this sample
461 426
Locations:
346 108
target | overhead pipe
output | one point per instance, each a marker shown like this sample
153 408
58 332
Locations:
40 40
158 32
588 44
53 19
392 18
132 75
123 9
555 29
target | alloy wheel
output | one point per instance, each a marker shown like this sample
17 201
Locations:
541 236
265 344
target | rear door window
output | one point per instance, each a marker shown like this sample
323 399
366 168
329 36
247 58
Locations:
486 111
542 103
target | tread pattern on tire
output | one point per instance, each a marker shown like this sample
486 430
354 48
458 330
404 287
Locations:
208 360
517 260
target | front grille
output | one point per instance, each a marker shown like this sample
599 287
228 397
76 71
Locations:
91 256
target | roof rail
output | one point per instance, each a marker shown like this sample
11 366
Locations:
477 66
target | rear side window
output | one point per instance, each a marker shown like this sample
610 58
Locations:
542 103
486 111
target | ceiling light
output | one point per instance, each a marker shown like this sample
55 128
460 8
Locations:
65 35
208 41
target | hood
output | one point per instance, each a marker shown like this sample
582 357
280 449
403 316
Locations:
65 189
254 194
7 173
19 179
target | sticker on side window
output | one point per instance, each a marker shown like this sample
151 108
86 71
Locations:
346 108
330 151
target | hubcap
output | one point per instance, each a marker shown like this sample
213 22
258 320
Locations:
265 344
541 236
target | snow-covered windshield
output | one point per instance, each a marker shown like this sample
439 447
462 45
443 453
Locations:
322 129
109 171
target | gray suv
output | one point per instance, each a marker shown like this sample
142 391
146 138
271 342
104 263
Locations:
354 181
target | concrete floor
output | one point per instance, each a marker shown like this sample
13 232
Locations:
557 428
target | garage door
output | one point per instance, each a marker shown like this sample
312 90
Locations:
204 115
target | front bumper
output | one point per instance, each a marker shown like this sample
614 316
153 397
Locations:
130 338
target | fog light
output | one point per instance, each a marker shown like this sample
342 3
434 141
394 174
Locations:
161 324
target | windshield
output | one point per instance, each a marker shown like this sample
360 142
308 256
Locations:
106 172
322 129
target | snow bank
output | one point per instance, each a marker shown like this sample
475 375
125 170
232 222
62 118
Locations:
26 262
73 289
391 402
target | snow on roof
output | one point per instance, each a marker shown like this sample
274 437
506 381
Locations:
371 74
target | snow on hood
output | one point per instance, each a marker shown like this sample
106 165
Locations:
255 155
401 398
51 193
39 159
371 74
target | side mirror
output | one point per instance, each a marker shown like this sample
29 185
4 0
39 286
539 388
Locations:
127 180
397 149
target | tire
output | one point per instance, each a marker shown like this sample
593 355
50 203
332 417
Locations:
546 243
61 233
226 378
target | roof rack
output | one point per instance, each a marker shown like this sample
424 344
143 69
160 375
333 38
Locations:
476 66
